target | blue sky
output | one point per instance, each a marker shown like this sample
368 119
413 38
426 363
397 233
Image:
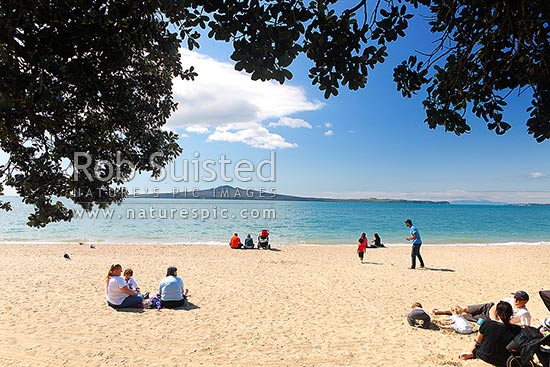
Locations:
367 143
362 144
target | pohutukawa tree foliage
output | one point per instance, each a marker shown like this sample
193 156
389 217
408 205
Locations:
95 76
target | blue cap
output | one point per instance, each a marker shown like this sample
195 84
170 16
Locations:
522 295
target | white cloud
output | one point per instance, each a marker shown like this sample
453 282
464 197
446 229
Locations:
329 133
197 129
328 125
290 122
231 105
255 136
536 174
183 136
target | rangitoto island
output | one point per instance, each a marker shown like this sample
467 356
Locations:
227 192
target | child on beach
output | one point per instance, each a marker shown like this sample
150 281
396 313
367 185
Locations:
362 246
418 317
132 284
457 322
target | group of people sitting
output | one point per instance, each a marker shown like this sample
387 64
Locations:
374 243
124 292
364 244
499 324
263 241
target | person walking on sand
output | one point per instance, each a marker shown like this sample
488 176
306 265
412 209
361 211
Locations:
362 246
416 243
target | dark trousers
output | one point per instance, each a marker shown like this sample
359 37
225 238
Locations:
129 302
544 358
415 252
173 304
480 311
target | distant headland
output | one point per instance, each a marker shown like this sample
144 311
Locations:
227 192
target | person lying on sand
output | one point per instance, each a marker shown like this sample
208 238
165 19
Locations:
456 322
487 311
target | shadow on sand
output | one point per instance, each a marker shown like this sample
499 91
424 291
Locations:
133 310
371 263
271 249
188 307
440 269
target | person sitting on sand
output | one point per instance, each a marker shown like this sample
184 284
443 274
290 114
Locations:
493 336
171 290
117 291
417 317
377 242
487 311
457 322
235 242
248 242
131 282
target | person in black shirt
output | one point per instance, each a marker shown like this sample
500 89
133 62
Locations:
377 242
493 336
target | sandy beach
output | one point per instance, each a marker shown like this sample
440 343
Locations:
295 306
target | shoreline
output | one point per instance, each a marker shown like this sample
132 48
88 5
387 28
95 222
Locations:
222 244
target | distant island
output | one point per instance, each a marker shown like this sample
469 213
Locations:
530 204
227 192
494 203
478 202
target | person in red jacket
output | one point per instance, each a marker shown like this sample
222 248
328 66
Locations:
363 241
235 242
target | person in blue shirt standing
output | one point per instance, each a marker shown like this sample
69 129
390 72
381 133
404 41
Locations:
416 243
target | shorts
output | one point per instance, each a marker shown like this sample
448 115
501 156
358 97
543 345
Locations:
480 311
360 254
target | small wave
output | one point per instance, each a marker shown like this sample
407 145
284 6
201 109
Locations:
219 243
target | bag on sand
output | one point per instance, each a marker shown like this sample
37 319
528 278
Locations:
154 302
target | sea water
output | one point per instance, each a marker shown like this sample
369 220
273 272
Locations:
189 221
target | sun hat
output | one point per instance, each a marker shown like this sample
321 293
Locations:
521 295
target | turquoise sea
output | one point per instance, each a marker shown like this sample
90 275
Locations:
140 220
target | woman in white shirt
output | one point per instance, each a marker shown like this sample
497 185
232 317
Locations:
116 289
